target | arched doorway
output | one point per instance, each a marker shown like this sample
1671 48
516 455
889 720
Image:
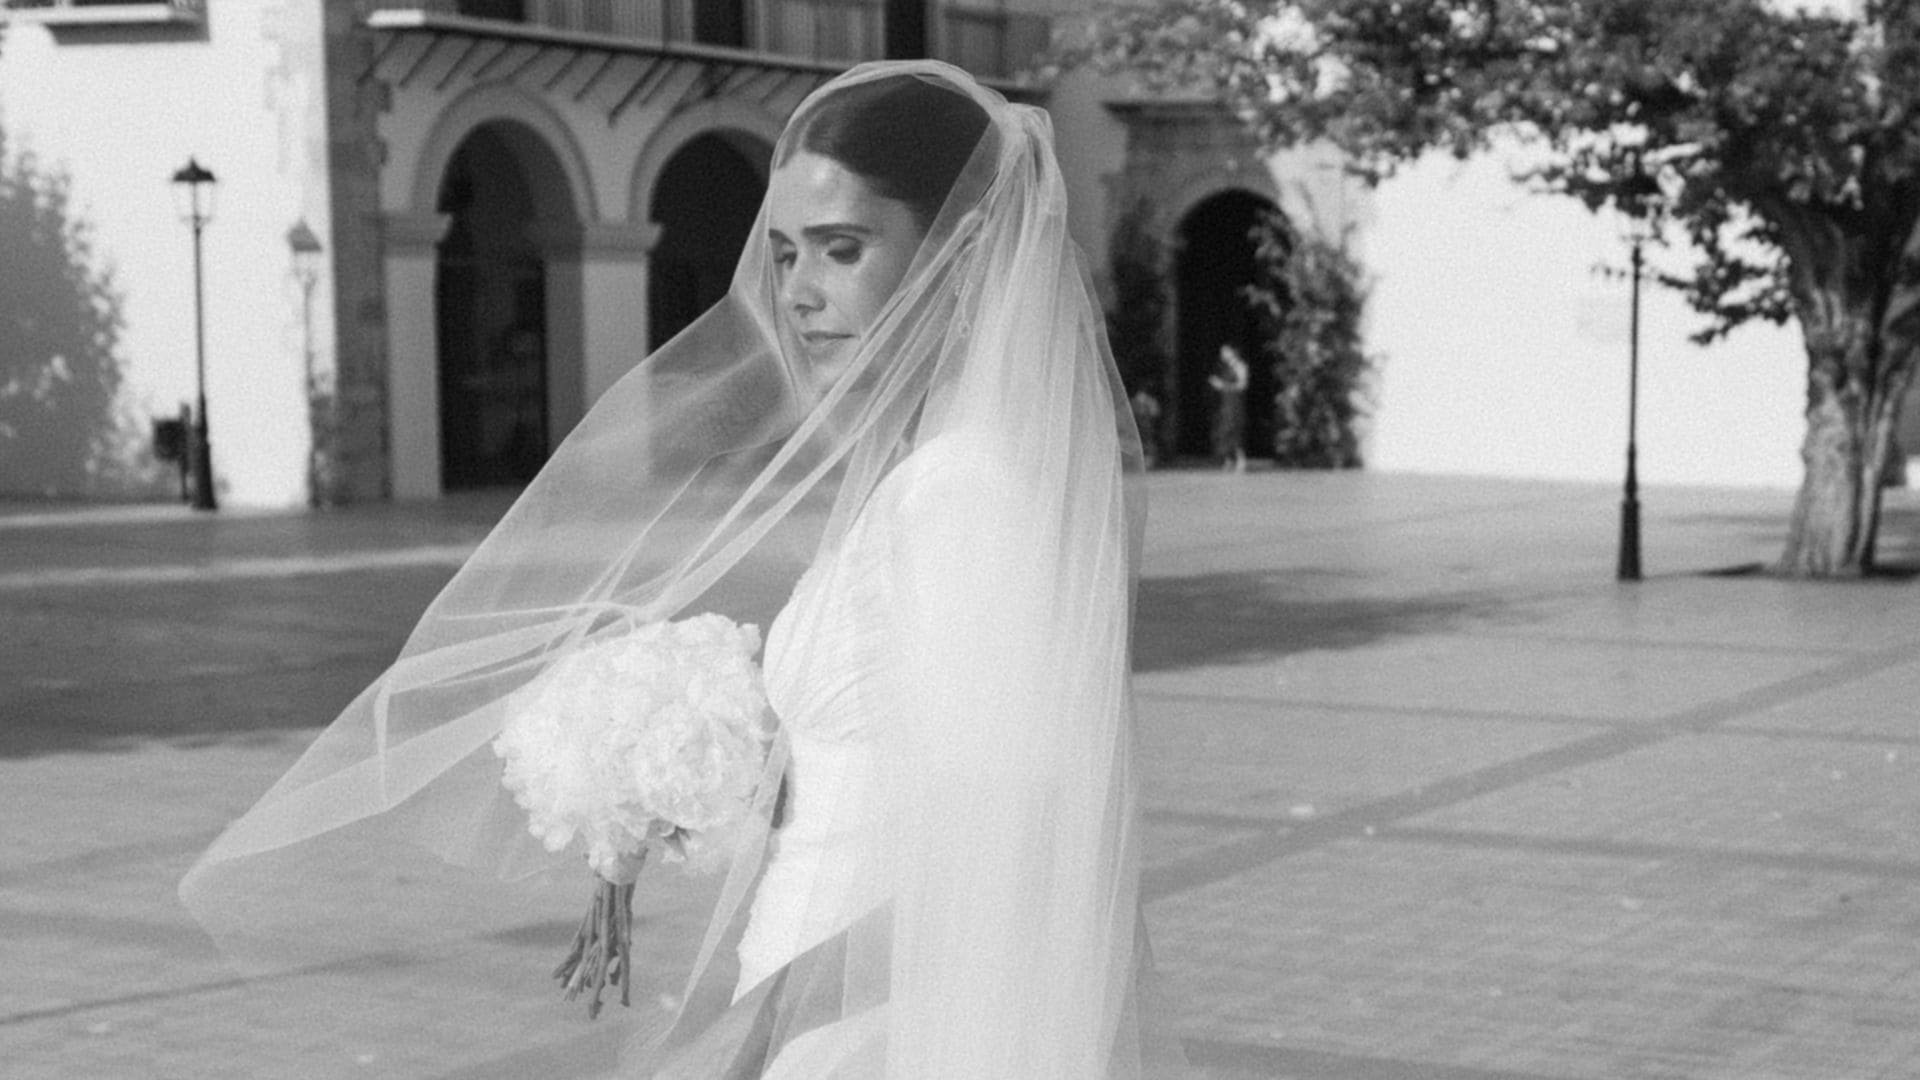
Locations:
704 202
1215 263
490 307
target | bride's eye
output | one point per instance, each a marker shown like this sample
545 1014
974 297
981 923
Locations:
784 258
844 252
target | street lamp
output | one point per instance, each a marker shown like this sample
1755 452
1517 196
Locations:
1636 200
306 269
193 188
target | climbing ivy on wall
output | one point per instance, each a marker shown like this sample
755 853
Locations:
1309 295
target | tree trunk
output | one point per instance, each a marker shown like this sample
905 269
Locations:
1854 389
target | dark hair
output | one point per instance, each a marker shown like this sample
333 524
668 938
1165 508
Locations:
903 135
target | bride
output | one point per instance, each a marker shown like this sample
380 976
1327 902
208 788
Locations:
900 444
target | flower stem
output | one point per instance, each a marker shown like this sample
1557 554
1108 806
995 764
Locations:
602 949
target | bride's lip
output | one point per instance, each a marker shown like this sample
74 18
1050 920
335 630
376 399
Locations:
820 337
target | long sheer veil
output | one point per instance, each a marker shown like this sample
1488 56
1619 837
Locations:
1009 943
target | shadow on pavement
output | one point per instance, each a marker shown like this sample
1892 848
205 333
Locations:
1896 548
1238 618
254 706
113 670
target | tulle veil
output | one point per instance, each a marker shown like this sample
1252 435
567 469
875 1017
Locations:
1010 941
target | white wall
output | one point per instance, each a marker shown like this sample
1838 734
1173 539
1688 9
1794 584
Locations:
1505 353
119 111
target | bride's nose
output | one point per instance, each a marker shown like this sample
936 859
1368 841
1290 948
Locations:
800 293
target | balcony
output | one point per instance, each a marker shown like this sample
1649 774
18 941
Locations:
994 44
59 13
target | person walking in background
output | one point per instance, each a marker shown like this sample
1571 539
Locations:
1146 417
1229 380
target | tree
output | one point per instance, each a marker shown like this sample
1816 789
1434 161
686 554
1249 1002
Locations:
60 424
1785 146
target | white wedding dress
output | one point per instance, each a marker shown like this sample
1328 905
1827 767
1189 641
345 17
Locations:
826 654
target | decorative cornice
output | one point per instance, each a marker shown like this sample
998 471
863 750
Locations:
596 241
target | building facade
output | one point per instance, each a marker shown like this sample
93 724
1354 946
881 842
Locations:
514 200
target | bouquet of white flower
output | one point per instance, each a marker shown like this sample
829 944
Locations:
655 738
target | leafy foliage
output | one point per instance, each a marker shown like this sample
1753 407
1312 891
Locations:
61 431
1136 321
1308 297
1765 130
1137 266
1783 145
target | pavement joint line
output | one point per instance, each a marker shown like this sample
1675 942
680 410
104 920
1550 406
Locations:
1712 714
1365 525
1508 716
1648 850
1229 860
435 555
1281 704
178 935
1306 1063
210 986
1857 738
55 1012
1653 644
146 851
30 691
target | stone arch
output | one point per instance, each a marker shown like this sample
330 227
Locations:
1212 259
700 183
506 308
540 137
752 131
1209 180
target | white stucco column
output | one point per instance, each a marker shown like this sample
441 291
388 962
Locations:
413 352
614 261
596 311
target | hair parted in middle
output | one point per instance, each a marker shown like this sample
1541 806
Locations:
907 137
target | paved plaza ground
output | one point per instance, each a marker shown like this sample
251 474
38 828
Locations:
1430 796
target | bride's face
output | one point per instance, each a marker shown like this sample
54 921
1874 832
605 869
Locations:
839 252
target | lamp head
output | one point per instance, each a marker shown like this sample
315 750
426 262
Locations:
301 239
193 173
306 252
1638 200
188 182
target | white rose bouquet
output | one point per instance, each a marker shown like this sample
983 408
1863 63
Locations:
654 739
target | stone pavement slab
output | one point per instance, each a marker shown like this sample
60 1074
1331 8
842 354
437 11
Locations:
1429 795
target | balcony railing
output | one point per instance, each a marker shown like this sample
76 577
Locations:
992 43
103 12
849 30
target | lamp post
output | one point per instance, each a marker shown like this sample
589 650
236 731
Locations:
306 269
1636 200
193 187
